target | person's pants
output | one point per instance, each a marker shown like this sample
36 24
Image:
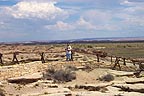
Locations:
68 56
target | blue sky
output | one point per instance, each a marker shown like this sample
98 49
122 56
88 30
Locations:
33 20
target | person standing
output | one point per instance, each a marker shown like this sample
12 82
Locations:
68 52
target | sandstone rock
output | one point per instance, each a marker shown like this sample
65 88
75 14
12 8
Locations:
131 87
26 79
121 73
57 94
53 59
93 87
134 80
91 93
81 67
113 92
50 92
132 94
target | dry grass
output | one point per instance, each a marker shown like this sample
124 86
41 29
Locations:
107 77
60 75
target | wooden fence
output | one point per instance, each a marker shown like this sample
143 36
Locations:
99 54
115 59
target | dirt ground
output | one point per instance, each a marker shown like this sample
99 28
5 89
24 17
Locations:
87 82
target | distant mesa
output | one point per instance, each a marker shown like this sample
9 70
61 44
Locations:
82 40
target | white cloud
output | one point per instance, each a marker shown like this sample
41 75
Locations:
136 0
10 35
79 25
133 14
100 20
82 24
85 25
28 17
132 2
34 9
59 26
97 16
92 17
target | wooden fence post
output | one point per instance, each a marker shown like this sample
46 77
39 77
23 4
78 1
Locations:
117 63
133 61
72 53
15 60
98 59
141 68
42 57
111 59
1 61
124 61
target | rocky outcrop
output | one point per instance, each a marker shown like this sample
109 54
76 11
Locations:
26 79
121 73
50 92
22 69
130 87
134 80
93 87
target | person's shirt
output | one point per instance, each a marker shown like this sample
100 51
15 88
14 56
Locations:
69 48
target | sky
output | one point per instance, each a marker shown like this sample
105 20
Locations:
42 20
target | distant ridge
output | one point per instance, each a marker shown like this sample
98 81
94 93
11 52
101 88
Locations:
82 40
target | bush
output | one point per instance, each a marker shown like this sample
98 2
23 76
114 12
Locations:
62 75
89 46
72 68
107 77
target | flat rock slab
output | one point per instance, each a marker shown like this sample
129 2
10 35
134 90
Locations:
134 80
53 59
50 92
93 87
131 87
121 73
131 94
97 93
26 79
91 93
